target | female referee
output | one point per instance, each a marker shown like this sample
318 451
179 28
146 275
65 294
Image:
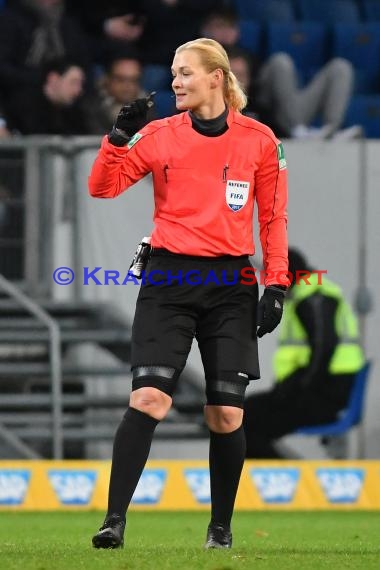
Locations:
209 165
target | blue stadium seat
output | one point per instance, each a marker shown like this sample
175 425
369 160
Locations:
250 36
265 10
164 104
365 110
328 11
360 44
305 42
371 10
349 417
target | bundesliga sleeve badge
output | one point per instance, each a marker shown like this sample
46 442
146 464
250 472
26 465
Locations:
281 157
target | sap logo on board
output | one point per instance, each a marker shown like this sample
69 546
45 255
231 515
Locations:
199 483
14 484
150 487
275 485
73 487
341 485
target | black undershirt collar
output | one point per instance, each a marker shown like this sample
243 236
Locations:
210 127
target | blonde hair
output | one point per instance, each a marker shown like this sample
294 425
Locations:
214 56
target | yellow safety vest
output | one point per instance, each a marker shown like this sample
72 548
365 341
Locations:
294 351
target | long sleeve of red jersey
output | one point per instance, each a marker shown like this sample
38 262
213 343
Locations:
272 197
116 168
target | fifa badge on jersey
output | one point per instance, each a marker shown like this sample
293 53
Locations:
237 192
281 157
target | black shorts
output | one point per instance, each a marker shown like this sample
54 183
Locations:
207 301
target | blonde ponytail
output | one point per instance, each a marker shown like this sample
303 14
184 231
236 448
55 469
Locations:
234 94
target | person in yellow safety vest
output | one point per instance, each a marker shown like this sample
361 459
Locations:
314 365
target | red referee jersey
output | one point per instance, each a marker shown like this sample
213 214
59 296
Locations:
205 187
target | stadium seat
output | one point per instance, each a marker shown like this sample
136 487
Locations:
305 42
250 36
371 10
365 110
265 10
351 416
360 44
328 11
164 104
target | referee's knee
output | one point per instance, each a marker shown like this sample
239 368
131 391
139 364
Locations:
223 419
151 401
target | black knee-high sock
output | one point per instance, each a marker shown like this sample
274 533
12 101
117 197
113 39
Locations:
227 453
130 451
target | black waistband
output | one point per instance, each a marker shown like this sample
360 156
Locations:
161 252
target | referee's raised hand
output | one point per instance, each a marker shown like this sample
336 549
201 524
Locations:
131 118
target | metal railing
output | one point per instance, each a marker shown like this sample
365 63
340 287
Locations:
55 360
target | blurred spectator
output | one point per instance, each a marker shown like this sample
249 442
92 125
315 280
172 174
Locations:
54 106
294 109
4 132
222 26
315 364
112 27
120 85
279 100
33 32
243 66
168 23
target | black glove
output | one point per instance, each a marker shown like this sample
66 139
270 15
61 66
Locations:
130 119
269 310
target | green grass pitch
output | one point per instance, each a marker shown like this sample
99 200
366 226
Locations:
163 541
